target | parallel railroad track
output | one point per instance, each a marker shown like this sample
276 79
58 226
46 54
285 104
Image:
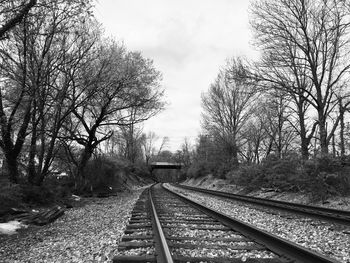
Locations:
168 227
323 213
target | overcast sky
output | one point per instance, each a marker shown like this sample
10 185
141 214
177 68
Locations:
188 40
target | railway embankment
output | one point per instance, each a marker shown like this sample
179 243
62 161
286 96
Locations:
212 183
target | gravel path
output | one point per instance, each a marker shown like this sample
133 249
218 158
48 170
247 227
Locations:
326 238
87 234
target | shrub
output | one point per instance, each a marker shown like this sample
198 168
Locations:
223 170
140 170
197 170
317 189
104 173
100 174
341 183
282 173
327 176
32 194
327 164
248 175
10 196
272 172
23 195
321 177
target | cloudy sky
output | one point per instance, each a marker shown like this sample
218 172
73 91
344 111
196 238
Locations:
188 40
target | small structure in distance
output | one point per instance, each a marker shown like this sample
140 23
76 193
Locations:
166 171
165 165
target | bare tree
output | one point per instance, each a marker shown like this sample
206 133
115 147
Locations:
131 136
53 77
148 144
163 145
15 110
275 116
12 13
254 136
186 153
227 107
35 81
314 35
286 73
15 91
115 82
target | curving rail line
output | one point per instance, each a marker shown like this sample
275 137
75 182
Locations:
323 213
176 229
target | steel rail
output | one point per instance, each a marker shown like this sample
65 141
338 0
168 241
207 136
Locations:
329 214
278 245
163 254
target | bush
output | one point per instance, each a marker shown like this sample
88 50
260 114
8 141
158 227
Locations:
24 195
271 173
317 189
282 174
197 170
327 176
38 195
248 175
321 177
106 174
141 170
10 196
223 170
100 174
341 183
327 164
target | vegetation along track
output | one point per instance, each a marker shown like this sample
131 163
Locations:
323 213
168 227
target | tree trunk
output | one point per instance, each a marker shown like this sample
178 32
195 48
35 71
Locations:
342 127
303 136
44 165
234 154
315 146
12 166
323 134
256 155
85 157
304 149
32 148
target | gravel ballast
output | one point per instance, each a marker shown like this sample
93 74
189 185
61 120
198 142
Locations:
86 234
326 238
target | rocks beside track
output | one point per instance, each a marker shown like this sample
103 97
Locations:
329 239
83 234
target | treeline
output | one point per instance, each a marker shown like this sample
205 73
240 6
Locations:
293 101
65 88
135 146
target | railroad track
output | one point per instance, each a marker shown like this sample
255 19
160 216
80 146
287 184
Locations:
168 227
323 213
